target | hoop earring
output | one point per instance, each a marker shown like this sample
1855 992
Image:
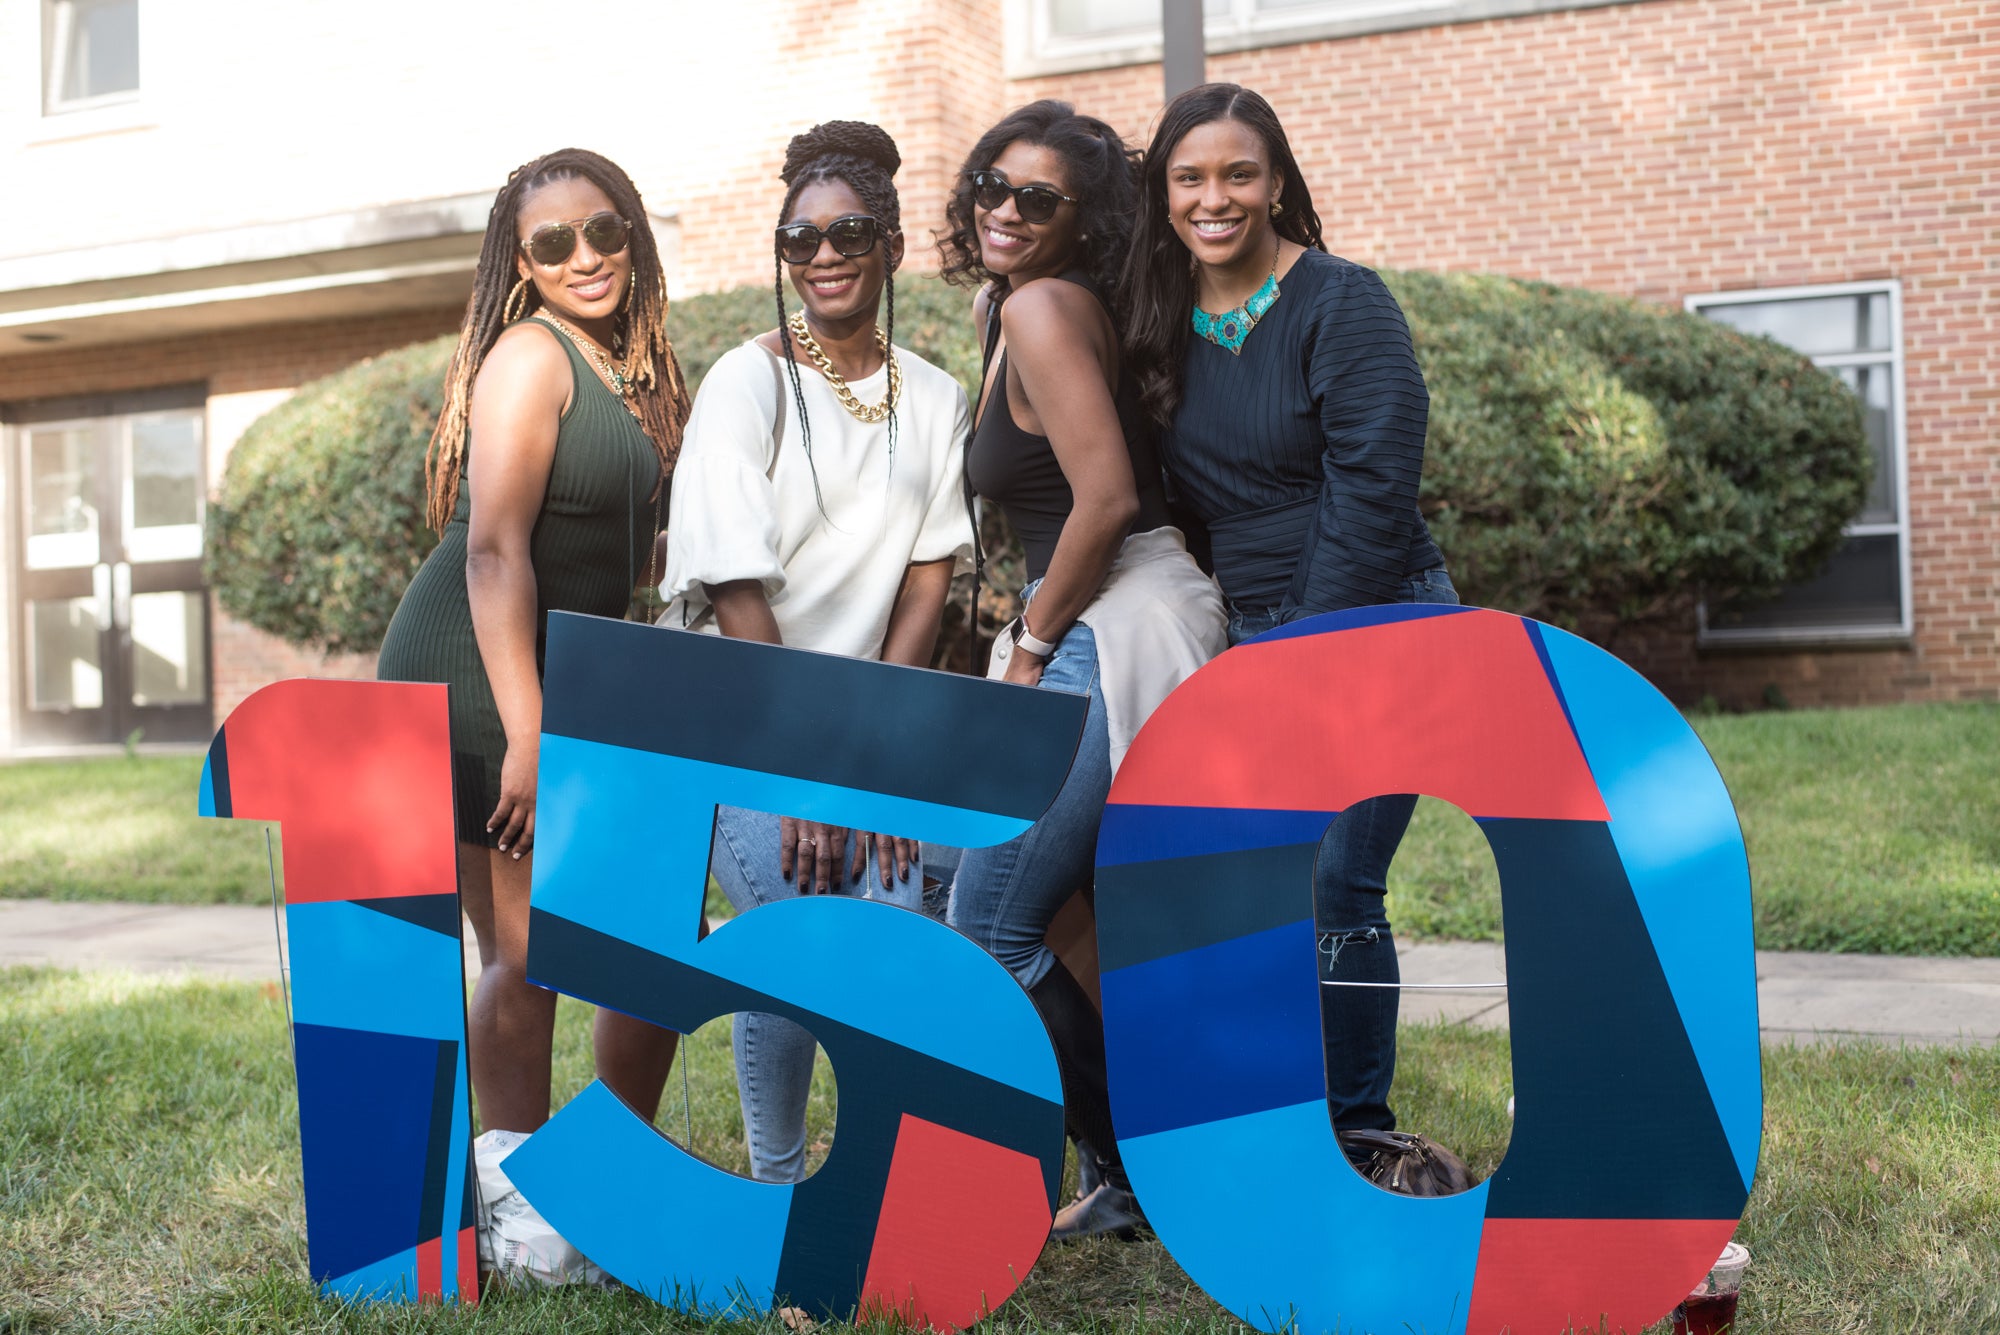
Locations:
1276 208
517 302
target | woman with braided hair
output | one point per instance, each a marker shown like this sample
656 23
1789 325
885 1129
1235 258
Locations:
1115 607
547 479
818 505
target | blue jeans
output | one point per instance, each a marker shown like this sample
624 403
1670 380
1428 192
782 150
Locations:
774 1057
1350 879
1004 897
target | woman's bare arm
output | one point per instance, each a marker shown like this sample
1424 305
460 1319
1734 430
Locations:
1059 345
517 407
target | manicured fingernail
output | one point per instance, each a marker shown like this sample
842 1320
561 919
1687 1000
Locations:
503 847
517 857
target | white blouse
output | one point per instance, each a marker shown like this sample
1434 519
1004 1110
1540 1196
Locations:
830 562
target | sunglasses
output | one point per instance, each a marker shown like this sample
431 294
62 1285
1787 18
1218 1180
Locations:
553 243
852 236
1035 203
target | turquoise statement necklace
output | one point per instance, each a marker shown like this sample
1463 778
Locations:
1229 329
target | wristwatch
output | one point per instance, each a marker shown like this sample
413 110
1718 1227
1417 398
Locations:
1024 639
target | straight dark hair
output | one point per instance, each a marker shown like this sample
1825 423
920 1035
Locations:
1157 288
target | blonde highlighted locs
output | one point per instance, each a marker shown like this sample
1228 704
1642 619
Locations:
659 395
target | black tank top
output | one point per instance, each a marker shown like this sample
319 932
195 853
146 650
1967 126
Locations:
1020 473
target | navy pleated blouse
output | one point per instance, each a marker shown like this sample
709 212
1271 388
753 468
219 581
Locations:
1301 455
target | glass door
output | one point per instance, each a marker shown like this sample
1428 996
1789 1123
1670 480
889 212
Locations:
113 615
65 585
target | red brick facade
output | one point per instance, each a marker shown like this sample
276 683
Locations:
232 361
928 72
1674 147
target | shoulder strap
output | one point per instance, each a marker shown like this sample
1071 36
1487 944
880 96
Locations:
971 502
778 422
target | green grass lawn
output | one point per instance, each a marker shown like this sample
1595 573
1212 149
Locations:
123 828
1870 830
149 1179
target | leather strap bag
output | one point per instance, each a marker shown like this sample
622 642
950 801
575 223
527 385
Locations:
1406 1163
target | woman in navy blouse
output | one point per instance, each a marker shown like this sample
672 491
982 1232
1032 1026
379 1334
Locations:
1292 416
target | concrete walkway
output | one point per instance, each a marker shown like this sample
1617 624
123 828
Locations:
1801 997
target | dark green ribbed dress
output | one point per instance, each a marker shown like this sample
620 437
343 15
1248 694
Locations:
591 545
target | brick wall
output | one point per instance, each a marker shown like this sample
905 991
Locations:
229 361
1684 146
927 72
244 659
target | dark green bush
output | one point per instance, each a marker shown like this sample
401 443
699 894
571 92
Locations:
1592 461
320 523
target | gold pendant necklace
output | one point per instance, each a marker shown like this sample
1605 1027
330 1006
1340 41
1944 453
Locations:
620 385
866 412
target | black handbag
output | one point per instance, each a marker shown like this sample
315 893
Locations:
1406 1163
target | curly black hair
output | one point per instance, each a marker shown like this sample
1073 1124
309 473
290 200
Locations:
863 157
1103 176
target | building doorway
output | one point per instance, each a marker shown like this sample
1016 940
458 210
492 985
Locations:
110 616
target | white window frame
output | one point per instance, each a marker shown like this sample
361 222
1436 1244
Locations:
1035 49
54 18
1900 445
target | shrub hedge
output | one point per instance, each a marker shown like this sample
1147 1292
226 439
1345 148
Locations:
1592 461
1595 462
320 521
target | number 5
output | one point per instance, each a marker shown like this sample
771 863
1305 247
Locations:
937 1194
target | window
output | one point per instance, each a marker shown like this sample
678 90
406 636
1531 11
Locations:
1075 19
90 54
1052 36
107 606
1855 331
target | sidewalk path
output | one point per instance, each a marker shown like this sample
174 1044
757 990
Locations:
1801 997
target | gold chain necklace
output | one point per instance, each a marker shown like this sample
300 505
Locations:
866 412
615 374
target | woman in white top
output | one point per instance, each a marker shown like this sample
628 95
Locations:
817 504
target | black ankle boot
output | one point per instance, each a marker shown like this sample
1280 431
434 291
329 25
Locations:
1111 1209
1089 1170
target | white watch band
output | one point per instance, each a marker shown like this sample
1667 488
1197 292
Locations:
1039 648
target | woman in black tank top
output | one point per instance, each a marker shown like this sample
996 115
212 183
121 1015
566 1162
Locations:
1040 218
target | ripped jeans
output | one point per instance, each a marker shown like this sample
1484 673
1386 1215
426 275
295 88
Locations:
1350 880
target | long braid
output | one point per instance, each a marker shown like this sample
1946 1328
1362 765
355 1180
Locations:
659 391
889 333
865 158
792 371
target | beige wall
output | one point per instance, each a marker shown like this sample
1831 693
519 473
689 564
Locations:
262 114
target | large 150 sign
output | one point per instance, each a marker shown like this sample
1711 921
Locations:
1625 895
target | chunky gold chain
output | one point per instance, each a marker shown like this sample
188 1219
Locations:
613 373
866 412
